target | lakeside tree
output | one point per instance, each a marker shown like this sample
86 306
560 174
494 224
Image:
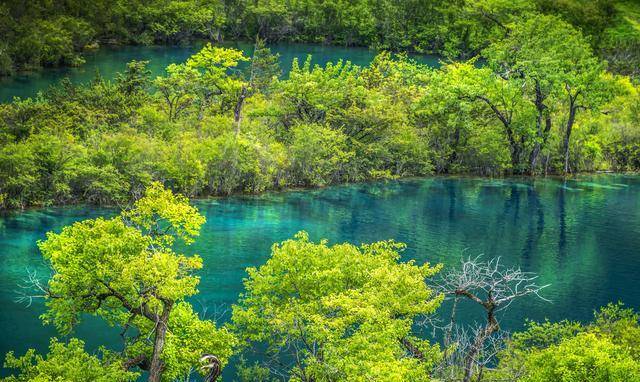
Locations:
607 349
493 287
338 312
125 271
557 65
218 79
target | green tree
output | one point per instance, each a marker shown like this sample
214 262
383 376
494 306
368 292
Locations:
177 89
606 349
68 362
136 78
558 61
585 357
318 155
339 312
125 271
217 79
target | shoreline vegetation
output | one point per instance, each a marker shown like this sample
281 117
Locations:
557 93
223 123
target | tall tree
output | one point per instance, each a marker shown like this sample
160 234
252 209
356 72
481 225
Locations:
125 271
339 313
555 60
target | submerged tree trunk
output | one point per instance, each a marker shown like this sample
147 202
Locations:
157 366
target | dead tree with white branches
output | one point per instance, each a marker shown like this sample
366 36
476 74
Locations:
494 287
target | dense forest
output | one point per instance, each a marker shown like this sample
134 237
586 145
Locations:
537 102
44 33
312 312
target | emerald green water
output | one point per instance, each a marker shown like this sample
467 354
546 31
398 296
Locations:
582 236
109 61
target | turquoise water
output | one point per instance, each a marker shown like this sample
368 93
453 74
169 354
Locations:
108 61
582 236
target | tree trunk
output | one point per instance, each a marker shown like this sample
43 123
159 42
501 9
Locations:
567 135
157 366
237 110
470 359
505 118
541 134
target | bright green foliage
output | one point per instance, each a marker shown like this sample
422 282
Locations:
622 325
367 108
125 271
562 75
608 349
478 121
585 357
188 338
557 55
67 362
345 312
214 66
203 79
177 88
101 266
318 154
165 216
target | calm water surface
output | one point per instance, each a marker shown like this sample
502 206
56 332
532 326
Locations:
109 61
582 236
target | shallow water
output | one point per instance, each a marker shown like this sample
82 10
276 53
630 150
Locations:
109 61
581 236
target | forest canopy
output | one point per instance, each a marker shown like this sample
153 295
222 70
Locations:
48 33
223 123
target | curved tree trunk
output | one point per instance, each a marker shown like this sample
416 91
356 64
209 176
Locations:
157 366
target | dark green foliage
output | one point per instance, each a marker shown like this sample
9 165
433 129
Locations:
135 80
44 33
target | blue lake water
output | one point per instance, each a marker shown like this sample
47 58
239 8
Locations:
582 236
109 61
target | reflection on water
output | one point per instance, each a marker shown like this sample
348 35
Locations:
584 243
